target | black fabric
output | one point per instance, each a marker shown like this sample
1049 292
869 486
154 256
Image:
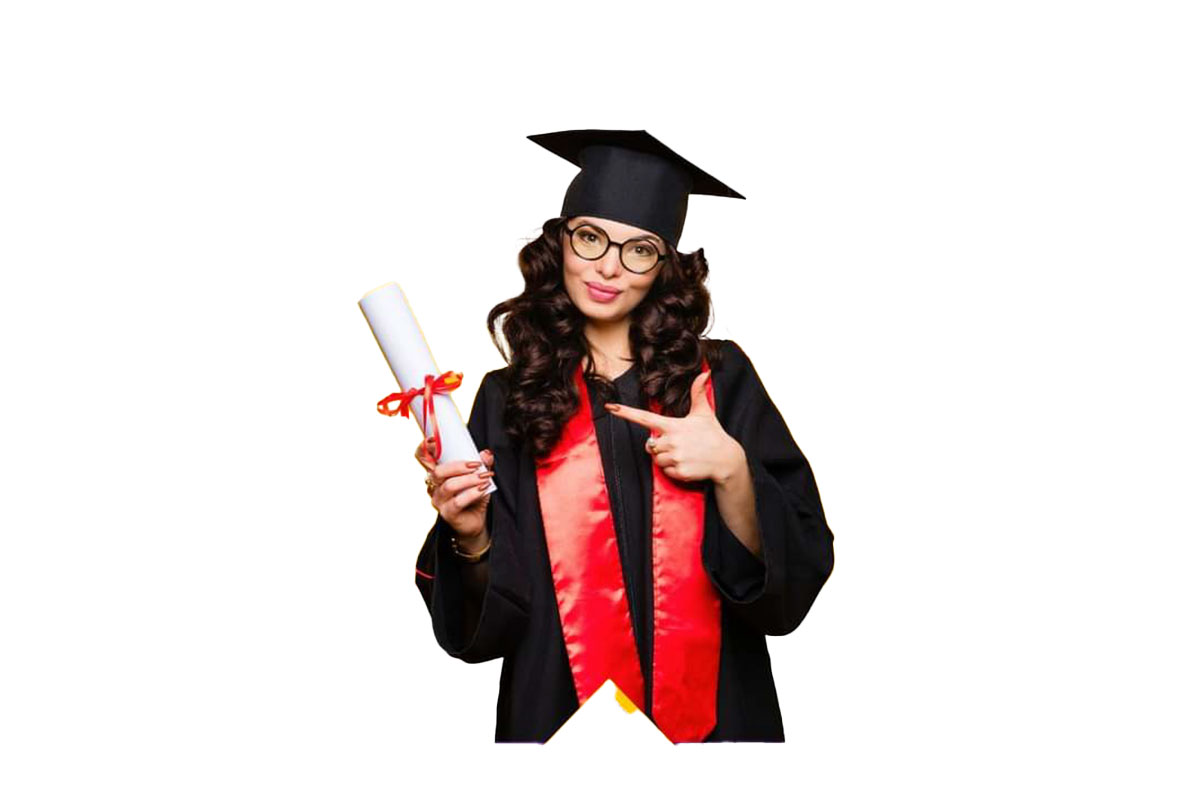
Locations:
631 177
513 614
628 477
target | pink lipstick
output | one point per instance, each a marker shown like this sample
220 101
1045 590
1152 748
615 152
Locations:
599 295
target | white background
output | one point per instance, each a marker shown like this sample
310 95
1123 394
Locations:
965 270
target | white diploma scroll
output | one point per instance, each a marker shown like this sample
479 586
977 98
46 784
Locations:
407 353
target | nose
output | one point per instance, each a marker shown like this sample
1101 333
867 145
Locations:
610 264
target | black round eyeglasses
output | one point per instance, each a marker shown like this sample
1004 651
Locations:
640 255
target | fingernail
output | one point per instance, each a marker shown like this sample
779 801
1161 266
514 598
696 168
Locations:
474 464
484 485
611 406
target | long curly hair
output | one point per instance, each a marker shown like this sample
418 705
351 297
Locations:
544 332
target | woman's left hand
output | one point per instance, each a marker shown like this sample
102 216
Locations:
688 448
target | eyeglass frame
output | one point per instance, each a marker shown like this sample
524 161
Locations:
620 247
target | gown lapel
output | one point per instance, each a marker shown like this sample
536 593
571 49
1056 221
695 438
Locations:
590 588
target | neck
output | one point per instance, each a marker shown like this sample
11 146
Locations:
610 346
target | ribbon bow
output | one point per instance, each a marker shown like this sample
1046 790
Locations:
442 384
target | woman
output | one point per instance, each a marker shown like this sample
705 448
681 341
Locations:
654 519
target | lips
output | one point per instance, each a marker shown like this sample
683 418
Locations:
597 295
603 288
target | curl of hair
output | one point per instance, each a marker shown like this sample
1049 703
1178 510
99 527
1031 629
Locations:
544 332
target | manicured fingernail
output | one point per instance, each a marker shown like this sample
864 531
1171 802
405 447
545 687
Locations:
474 464
611 406
484 485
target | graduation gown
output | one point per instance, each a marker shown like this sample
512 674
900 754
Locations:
511 611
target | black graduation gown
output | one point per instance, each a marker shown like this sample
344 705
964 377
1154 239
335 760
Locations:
514 614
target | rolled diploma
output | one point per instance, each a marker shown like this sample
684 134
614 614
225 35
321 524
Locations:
407 353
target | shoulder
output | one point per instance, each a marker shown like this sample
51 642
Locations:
494 385
487 412
734 378
731 361
493 381
498 376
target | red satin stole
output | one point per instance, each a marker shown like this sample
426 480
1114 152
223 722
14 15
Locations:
590 587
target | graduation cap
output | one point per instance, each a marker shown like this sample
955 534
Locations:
631 177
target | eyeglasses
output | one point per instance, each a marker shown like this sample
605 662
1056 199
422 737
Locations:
639 254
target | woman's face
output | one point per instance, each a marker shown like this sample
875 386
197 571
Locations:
586 280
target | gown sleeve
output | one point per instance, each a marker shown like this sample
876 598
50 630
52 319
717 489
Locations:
473 620
772 594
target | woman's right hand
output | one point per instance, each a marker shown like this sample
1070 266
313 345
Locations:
457 491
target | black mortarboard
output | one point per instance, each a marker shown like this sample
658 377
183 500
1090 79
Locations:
629 176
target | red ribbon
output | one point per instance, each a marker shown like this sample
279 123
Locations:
442 384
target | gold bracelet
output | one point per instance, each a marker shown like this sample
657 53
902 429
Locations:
469 558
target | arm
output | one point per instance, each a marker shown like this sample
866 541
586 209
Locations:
734 489
772 593
479 610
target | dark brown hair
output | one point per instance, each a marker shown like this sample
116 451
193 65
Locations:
544 332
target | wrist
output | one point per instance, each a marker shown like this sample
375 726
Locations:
464 546
733 464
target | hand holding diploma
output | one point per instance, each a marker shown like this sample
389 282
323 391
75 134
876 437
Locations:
425 389
457 494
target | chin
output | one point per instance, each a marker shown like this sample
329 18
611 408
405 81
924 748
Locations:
591 313
607 314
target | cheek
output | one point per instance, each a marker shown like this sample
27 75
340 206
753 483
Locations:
572 265
573 277
639 292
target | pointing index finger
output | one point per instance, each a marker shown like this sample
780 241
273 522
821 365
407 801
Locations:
647 419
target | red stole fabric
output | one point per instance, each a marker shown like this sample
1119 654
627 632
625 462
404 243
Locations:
590 587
